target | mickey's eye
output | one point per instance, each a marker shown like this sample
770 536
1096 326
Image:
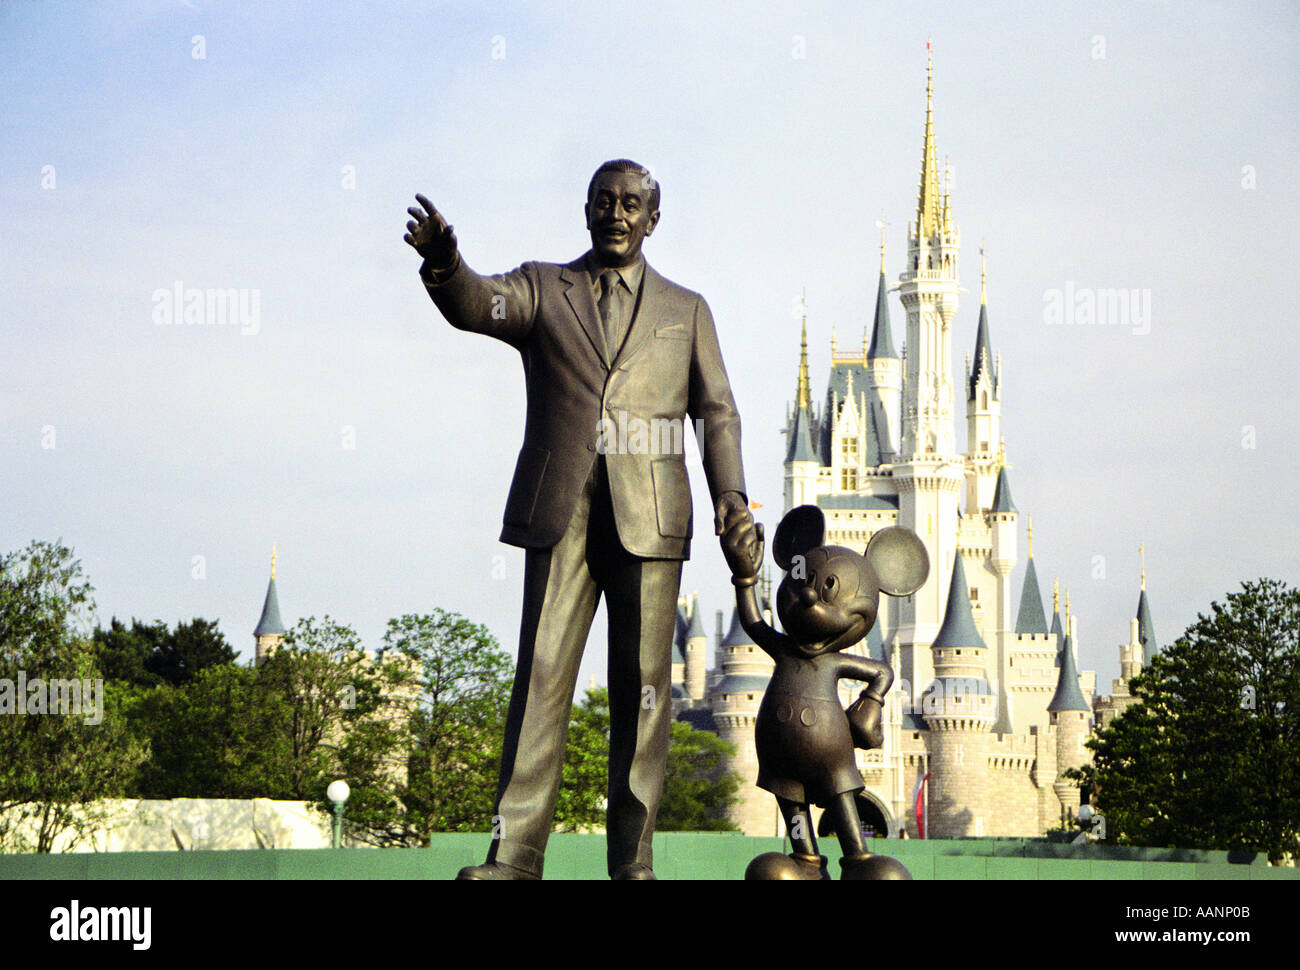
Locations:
831 590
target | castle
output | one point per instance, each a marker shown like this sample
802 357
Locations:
989 709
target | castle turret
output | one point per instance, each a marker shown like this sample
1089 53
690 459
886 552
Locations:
1069 716
695 642
1146 631
735 699
1002 518
983 412
270 629
958 708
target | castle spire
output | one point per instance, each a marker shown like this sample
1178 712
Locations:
803 395
984 275
958 628
800 445
1030 619
928 212
1146 631
270 628
882 344
983 346
1030 534
1068 696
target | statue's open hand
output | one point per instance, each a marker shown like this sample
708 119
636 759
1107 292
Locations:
430 235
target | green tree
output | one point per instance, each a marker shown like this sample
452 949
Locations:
223 735
53 765
1209 757
122 652
699 788
188 649
457 695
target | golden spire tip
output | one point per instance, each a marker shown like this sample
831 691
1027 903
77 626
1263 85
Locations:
1030 517
273 560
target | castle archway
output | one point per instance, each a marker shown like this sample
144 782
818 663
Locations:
874 816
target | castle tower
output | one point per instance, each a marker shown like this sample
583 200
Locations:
958 707
270 629
928 473
884 372
696 646
1002 518
983 411
1069 715
801 461
735 700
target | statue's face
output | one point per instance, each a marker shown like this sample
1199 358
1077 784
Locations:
619 217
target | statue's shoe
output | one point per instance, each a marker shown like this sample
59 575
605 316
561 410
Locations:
870 866
634 871
778 865
494 870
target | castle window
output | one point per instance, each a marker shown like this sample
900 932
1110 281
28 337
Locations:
749 696
849 450
974 594
849 480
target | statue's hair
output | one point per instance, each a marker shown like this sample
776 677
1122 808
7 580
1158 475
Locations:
627 165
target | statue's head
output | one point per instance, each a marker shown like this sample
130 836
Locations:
622 209
829 597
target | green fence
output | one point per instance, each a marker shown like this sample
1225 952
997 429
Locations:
678 855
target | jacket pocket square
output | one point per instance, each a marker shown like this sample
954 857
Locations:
676 332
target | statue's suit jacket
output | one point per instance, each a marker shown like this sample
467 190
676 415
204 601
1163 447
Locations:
669 368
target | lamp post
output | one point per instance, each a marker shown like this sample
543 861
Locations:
337 793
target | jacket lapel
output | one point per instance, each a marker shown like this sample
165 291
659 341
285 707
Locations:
651 309
577 290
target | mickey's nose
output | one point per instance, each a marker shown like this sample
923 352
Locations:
808 596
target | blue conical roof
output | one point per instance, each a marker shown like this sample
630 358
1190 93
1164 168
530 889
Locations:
1002 493
1031 619
958 629
882 344
696 628
1146 632
1068 696
736 636
800 447
270 623
983 352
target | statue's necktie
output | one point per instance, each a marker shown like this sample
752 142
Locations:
610 306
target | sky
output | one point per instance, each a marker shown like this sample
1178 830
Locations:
271 149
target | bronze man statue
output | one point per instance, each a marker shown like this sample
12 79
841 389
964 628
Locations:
613 355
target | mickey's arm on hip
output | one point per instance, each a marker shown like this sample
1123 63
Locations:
503 306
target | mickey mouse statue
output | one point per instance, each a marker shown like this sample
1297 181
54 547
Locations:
804 738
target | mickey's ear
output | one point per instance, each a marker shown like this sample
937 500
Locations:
899 560
802 529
